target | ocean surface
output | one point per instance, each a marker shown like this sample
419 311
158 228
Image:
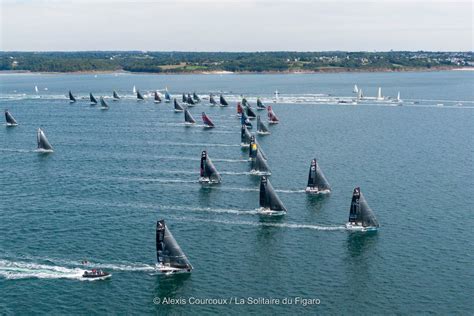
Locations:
114 173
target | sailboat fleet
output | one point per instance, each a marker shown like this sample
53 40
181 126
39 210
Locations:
170 257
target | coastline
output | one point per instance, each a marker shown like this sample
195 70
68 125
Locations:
223 72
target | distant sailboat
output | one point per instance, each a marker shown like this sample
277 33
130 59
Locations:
43 143
115 96
190 101
36 89
245 102
103 104
222 101
188 118
211 100
259 165
139 96
270 203
171 259
361 216
359 94
157 98
177 106
196 98
93 100
184 99
207 121
399 100
72 99
208 172
10 119
250 113
262 129
317 182
272 118
356 89
239 109
245 120
167 96
134 90
276 94
260 105
379 94
245 136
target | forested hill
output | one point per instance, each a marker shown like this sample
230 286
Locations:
189 62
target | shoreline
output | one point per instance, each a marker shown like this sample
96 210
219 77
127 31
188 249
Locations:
223 72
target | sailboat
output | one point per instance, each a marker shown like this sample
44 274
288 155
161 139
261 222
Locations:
245 120
188 118
171 259
36 89
245 136
72 99
92 99
239 109
134 90
43 143
207 121
139 96
10 119
399 100
361 216
222 101
272 118
167 96
177 106
260 105
103 104
196 98
379 94
259 165
211 100
245 102
254 148
262 129
184 99
275 100
270 203
250 113
209 174
356 89
190 101
157 98
115 96
317 182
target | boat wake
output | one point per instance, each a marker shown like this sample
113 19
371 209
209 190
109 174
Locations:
282 225
16 150
198 159
195 144
208 209
26 270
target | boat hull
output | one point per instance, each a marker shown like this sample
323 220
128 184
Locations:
269 212
311 190
170 270
205 180
358 228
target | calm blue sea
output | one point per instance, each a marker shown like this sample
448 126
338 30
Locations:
115 173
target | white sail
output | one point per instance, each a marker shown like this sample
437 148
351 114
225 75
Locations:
359 94
379 94
355 90
398 97
36 89
134 90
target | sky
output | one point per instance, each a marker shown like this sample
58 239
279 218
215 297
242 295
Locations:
231 25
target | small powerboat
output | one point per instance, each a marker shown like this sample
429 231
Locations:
96 274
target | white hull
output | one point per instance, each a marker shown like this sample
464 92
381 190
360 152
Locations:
208 126
244 145
263 133
105 277
316 191
204 180
11 124
189 124
179 111
273 122
104 108
359 228
259 173
269 212
170 270
44 151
